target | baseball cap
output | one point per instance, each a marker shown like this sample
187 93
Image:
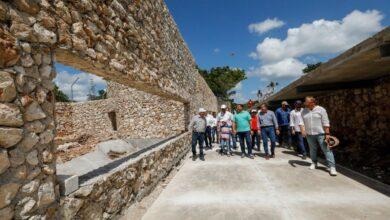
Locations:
298 102
202 110
223 106
284 103
253 111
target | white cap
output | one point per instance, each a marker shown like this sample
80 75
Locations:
223 106
202 110
284 103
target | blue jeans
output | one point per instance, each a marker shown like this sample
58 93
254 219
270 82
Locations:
233 140
208 136
298 138
255 139
197 138
245 136
268 132
213 134
319 140
225 145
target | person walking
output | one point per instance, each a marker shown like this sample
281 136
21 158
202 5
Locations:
283 117
226 130
255 132
209 125
297 128
317 132
241 127
214 133
225 115
268 125
198 128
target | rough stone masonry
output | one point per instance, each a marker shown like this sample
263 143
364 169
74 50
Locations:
132 42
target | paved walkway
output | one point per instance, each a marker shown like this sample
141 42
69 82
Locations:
282 188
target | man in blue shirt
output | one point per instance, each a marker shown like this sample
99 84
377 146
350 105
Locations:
283 116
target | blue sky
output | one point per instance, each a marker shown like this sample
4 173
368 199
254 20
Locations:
213 29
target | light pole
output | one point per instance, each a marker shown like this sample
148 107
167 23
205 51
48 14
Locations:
71 88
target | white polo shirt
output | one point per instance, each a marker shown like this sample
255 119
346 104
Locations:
315 120
296 120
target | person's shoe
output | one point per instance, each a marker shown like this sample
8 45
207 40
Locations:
251 156
313 166
201 157
304 157
333 171
272 155
267 157
242 155
193 157
228 154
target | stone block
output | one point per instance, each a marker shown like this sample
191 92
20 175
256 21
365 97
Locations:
68 184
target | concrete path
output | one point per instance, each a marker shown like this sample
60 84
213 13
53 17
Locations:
283 188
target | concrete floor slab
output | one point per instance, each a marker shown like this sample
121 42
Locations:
282 188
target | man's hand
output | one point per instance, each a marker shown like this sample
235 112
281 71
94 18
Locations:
251 132
303 132
277 132
259 132
327 138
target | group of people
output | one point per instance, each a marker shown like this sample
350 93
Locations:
286 126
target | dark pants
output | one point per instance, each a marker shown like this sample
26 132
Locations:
214 134
285 135
233 140
245 137
197 138
208 137
255 139
298 139
268 132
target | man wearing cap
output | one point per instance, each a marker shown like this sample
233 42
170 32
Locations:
283 116
317 132
268 125
297 128
198 127
225 115
241 126
255 132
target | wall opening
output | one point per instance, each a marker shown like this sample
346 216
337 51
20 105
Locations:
112 117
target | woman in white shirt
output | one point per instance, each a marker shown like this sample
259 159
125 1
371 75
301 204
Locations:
317 125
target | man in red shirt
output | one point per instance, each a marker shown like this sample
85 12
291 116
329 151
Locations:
255 133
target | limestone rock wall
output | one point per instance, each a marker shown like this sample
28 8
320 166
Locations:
108 195
360 119
138 115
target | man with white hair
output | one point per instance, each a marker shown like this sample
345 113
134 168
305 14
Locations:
198 127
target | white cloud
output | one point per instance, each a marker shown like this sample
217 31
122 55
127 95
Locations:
81 89
216 50
238 86
284 69
279 58
321 36
239 97
265 26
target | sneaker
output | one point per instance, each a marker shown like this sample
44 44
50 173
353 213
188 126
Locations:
333 171
313 166
272 155
201 157
304 157
267 157
193 157
251 156
242 155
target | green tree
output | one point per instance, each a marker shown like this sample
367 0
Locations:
222 79
311 67
60 95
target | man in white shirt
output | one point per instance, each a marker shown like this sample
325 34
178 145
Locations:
210 121
317 126
297 127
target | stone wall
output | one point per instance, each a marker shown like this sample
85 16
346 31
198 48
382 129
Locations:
109 194
132 42
360 119
138 115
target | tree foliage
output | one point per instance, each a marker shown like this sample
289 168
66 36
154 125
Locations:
60 95
311 67
222 79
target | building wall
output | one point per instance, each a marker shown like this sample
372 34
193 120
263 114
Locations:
360 118
135 43
138 115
